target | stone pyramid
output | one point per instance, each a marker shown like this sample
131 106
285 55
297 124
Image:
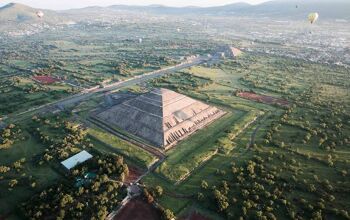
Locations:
161 117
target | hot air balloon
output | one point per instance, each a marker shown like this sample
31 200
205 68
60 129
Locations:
313 17
40 14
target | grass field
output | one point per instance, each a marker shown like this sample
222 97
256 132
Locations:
208 172
304 150
109 143
30 172
291 163
189 154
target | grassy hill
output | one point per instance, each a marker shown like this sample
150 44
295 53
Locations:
337 9
281 9
19 13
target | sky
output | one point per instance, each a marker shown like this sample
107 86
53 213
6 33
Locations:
67 4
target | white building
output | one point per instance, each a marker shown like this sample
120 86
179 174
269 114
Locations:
76 159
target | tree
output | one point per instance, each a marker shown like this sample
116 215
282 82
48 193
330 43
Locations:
317 215
13 182
148 196
225 187
66 199
200 196
204 184
167 215
250 167
102 213
4 169
159 191
221 200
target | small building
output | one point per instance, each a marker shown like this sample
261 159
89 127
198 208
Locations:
76 159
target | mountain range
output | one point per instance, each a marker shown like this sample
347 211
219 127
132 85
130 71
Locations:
289 9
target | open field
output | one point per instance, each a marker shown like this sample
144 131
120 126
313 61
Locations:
21 93
263 98
110 143
295 137
28 173
45 79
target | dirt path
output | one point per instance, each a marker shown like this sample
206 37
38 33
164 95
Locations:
252 137
179 196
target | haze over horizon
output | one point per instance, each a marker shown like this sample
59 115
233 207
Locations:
68 4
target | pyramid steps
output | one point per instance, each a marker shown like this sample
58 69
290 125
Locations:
161 117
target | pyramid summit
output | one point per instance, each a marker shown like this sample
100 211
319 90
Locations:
161 117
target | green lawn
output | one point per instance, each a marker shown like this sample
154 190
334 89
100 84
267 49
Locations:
112 144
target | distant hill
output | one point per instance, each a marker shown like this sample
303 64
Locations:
328 9
19 13
288 9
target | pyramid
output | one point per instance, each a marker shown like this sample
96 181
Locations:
161 117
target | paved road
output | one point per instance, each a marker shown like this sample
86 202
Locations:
74 99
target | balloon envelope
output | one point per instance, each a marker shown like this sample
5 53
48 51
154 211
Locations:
40 14
313 17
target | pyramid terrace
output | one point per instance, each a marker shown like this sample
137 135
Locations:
161 117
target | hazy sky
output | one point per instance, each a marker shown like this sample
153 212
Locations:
66 4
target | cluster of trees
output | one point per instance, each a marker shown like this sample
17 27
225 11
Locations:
257 189
15 96
182 81
94 199
150 195
122 70
167 214
69 139
7 174
9 135
325 131
30 89
47 70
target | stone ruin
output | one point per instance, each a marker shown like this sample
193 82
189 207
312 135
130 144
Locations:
161 117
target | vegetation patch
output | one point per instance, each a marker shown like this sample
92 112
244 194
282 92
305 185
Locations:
111 143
